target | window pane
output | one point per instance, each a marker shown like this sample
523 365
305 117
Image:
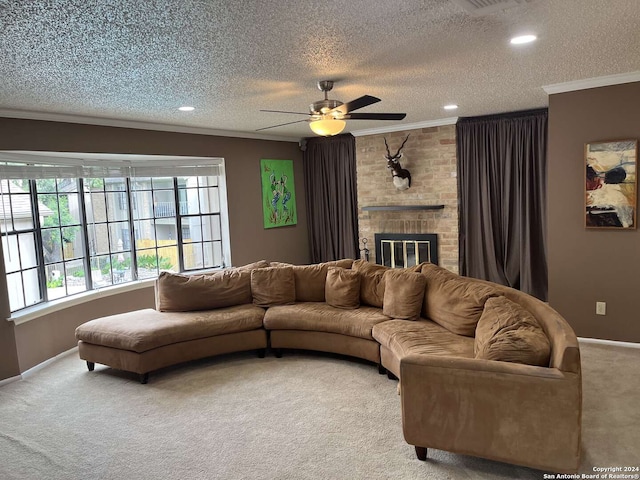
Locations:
147 263
145 233
208 181
49 211
164 203
121 267
45 185
93 184
189 203
115 184
28 255
119 236
52 245
193 256
98 238
211 228
209 200
101 271
69 209
14 288
73 245
166 233
217 253
75 277
162 183
96 207
11 253
142 205
67 184
32 291
117 206
55 281
212 254
168 259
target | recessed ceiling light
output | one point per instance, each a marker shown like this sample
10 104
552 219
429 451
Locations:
186 109
450 107
523 39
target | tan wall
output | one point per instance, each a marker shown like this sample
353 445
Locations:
249 240
430 156
586 266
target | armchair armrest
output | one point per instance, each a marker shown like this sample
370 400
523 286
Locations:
502 411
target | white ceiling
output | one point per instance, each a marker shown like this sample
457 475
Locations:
138 61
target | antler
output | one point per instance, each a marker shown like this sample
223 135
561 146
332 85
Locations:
388 152
398 152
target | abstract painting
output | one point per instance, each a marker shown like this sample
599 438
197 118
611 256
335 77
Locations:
611 186
278 193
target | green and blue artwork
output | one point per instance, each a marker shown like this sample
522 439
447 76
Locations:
278 193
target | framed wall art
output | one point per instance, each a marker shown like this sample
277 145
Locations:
611 184
278 193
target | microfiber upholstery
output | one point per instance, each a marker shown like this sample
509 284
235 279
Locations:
321 317
273 286
144 330
371 282
342 288
403 293
453 301
507 332
183 293
310 279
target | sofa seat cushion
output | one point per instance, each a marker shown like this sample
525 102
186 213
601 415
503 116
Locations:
144 330
423 337
321 317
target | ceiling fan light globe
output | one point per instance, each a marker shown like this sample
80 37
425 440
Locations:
327 127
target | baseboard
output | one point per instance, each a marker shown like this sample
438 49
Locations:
613 343
10 380
40 366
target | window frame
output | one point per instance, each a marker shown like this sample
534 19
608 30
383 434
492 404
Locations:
90 166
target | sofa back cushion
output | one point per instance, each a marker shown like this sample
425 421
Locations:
342 289
310 279
251 266
176 292
453 301
371 282
507 332
403 293
273 286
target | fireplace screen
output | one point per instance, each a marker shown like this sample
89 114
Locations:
406 250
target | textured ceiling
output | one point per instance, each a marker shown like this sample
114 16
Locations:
139 60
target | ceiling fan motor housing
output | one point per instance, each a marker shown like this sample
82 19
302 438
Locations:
322 107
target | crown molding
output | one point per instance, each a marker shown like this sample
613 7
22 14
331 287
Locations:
112 122
406 126
595 82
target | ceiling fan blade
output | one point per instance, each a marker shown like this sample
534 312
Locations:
281 125
375 116
363 101
281 111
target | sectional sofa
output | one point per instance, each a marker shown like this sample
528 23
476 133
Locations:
484 370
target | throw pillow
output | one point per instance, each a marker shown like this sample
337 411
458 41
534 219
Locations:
342 288
251 266
273 286
371 282
507 332
403 293
453 301
176 292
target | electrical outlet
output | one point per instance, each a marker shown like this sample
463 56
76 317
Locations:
601 308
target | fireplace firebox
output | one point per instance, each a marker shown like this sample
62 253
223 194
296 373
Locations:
401 250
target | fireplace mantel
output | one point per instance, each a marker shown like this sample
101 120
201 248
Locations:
403 207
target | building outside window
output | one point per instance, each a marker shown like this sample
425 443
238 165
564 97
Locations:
86 221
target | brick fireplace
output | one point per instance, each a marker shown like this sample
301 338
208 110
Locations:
430 206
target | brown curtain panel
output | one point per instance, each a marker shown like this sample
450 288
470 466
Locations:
502 162
331 193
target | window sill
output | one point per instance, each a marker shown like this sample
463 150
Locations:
37 311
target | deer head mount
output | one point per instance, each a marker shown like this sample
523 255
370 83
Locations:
401 176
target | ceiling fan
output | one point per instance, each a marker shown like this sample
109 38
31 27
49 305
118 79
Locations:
327 117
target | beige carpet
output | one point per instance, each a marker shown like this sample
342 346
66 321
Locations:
305 416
